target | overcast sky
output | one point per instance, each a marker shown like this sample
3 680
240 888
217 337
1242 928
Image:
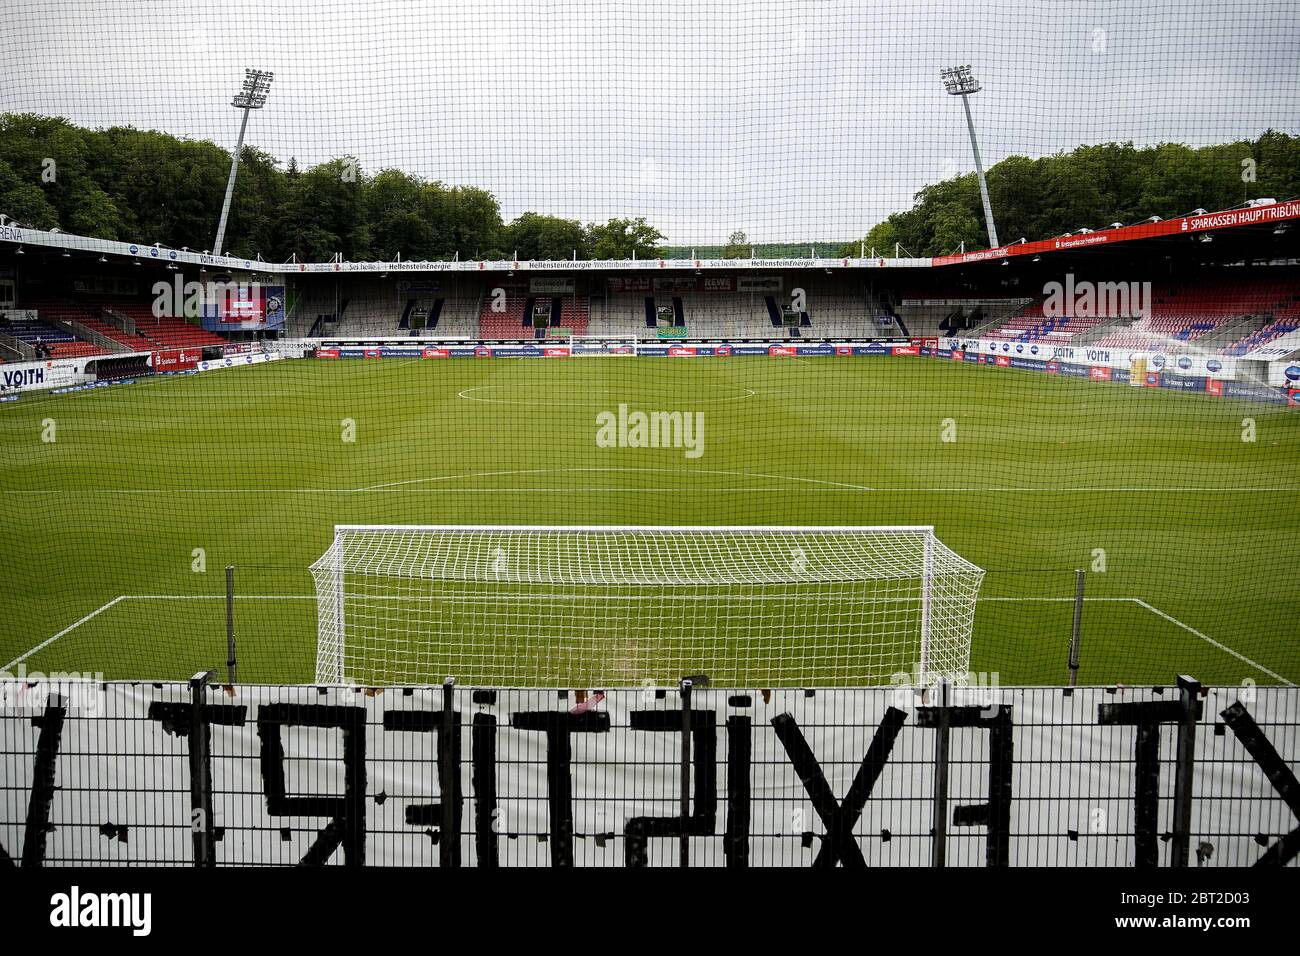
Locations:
789 119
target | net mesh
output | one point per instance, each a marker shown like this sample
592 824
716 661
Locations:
590 607
770 210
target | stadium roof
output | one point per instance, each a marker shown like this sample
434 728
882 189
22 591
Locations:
1249 217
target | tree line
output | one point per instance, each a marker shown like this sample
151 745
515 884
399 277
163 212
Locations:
143 185
1092 187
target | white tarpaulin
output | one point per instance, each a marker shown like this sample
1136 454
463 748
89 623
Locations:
343 775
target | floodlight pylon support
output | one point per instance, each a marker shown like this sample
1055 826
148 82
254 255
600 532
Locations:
251 97
958 81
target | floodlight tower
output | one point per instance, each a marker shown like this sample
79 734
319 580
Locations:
958 81
252 96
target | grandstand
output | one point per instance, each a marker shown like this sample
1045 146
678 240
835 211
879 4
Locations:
139 324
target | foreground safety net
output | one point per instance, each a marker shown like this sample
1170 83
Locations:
584 607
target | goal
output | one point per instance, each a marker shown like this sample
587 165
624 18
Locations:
591 607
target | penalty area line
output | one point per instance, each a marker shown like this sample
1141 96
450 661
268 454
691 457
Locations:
67 630
1213 643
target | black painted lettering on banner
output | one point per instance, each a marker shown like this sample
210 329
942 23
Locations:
1281 776
840 818
429 815
996 813
37 826
740 745
702 820
347 811
483 741
558 726
1147 716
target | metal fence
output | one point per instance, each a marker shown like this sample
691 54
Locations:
203 774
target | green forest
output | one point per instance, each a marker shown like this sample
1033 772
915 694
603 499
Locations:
148 186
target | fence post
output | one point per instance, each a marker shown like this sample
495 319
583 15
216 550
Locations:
940 848
200 762
230 624
1077 633
1189 691
447 838
685 812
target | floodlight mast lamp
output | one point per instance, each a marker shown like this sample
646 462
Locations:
252 96
958 81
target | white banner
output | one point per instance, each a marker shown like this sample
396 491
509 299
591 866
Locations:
1044 776
237 361
1173 361
54 373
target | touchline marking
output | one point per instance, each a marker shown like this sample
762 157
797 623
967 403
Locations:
71 627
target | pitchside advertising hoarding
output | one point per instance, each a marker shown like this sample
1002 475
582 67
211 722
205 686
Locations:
30 376
175 360
1210 374
673 284
245 307
407 349
1048 777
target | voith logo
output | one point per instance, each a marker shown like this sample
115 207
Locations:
23 377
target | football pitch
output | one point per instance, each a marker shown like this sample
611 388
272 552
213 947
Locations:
124 505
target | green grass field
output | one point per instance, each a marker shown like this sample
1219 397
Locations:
1200 530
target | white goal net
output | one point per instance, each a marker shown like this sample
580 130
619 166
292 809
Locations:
591 607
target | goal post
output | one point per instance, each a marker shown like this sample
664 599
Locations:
602 606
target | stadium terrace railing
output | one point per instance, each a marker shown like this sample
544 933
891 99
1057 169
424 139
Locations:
199 774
